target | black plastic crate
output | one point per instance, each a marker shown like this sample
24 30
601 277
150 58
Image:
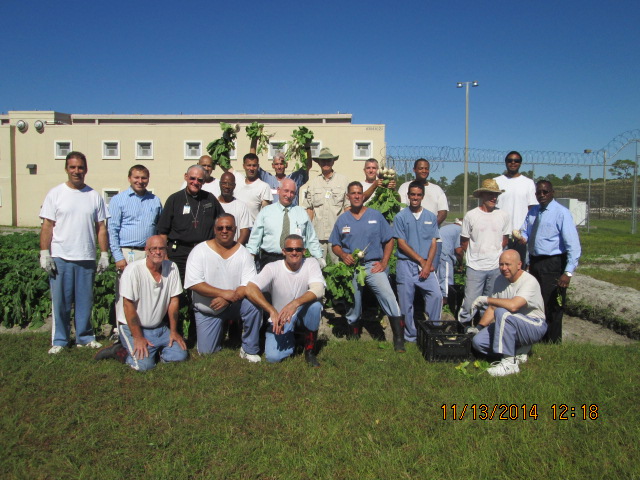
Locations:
443 341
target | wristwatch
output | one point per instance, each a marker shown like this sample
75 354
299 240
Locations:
568 274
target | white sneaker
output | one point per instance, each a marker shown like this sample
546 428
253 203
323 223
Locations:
506 366
249 356
91 344
55 350
522 354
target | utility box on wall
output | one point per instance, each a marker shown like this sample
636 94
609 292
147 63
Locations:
577 208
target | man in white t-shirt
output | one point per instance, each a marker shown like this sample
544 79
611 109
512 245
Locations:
149 293
518 197
217 273
296 286
371 181
434 198
253 192
71 215
235 207
484 234
514 318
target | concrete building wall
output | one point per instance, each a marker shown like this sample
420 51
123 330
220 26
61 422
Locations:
168 136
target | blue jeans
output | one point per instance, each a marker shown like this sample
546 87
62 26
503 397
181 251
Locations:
479 282
379 284
72 285
509 331
159 336
407 277
279 347
209 327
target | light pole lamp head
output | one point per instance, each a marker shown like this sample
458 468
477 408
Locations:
474 83
459 85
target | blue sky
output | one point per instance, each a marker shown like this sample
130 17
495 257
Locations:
554 75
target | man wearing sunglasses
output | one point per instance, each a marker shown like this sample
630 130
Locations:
518 197
296 286
275 222
188 217
554 251
217 272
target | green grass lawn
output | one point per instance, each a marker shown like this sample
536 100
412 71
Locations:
367 413
607 241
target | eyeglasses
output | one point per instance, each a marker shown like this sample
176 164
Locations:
196 179
156 249
224 228
514 160
542 192
294 249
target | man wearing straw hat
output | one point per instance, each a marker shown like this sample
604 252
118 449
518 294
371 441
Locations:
325 199
485 232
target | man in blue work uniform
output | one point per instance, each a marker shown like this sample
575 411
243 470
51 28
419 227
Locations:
367 230
416 229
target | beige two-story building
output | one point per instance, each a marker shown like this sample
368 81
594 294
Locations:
33 146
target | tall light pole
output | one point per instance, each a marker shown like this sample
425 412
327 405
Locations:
466 143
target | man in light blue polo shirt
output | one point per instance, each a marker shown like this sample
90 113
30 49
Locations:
134 216
278 220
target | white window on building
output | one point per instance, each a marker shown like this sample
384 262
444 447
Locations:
62 148
111 150
108 194
315 149
362 150
192 149
144 150
276 147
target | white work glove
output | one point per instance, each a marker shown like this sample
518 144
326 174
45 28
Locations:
47 263
479 302
472 330
322 262
103 263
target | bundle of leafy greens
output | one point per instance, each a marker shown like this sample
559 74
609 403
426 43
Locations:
296 147
221 148
340 275
256 131
385 200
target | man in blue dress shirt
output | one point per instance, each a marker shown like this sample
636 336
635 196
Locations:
134 216
554 250
278 220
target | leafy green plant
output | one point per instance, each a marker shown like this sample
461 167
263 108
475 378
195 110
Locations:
296 147
221 148
339 278
24 290
256 131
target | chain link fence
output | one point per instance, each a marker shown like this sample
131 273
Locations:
591 181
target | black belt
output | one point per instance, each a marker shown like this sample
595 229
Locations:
183 244
140 249
542 257
264 253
